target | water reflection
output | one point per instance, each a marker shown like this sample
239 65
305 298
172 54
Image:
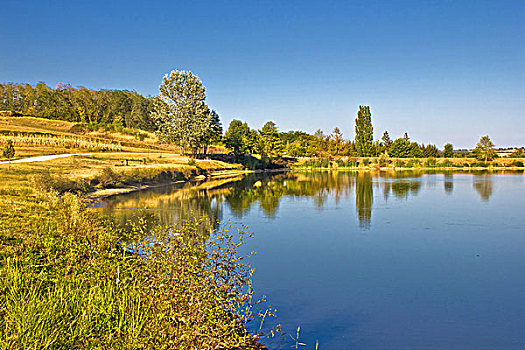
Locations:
364 197
483 185
448 183
171 204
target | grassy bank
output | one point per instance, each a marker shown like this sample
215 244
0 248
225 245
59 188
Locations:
70 280
89 173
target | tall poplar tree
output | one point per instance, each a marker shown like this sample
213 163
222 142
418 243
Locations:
364 132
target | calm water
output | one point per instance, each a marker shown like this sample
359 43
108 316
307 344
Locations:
374 261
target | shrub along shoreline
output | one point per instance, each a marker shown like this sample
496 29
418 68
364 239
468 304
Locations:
374 163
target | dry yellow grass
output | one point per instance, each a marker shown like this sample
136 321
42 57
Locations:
35 127
30 124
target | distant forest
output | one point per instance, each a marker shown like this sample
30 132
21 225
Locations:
119 108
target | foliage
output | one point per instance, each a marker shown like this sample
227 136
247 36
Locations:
400 148
485 149
270 144
448 151
238 138
303 146
415 150
292 136
8 150
106 107
337 141
180 113
214 133
386 141
518 153
322 163
431 162
384 159
430 151
364 132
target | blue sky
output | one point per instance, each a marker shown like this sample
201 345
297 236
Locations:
444 71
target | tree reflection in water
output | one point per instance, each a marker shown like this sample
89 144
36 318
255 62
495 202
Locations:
364 196
171 205
448 183
483 185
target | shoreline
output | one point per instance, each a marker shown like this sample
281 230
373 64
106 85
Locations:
99 195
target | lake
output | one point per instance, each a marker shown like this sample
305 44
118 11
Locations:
366 260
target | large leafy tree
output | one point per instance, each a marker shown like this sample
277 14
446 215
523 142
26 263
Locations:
238 138
448 151
270 144
485 149
180 113
364 132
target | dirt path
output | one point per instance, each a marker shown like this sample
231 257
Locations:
55 156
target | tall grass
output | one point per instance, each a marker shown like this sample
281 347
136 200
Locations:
70 280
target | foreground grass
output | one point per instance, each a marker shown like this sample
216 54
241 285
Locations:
68 280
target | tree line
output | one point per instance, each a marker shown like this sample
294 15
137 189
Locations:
115 108
180 115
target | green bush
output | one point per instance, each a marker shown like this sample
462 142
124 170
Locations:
431 162
412 163
518 163
383 160
8 150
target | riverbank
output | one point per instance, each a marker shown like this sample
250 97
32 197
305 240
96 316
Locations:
68 281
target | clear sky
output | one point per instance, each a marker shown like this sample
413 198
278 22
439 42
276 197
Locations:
444 71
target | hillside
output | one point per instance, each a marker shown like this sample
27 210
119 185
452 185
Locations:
39 136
